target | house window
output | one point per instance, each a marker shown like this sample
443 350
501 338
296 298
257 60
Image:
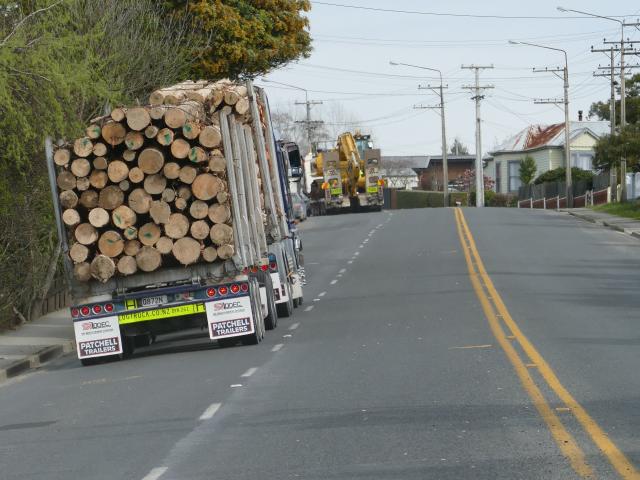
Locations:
514 175
582 160
498 176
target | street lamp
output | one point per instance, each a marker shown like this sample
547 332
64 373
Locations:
567 124
623 119
445 166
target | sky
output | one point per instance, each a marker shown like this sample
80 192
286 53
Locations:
349 66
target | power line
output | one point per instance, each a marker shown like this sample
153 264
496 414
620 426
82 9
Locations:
459 15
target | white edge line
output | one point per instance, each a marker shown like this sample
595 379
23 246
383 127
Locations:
322 294
342 270
207 414
155 473
277 347
249 372
333 282
294 326
309 308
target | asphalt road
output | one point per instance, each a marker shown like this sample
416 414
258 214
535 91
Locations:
390 370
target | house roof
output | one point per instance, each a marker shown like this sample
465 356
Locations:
397 172
540 136
408 161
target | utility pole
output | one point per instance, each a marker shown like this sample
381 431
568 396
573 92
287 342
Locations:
611 54
445 166
623 47
567 124
310 124
478 97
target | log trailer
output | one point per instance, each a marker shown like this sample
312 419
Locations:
351 175
235 298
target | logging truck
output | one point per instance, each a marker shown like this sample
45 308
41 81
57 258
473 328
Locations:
351 174
173 216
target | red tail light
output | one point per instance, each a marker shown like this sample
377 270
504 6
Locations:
97 309
264 268
235 288
254 269
273 266
108 307
244 287
75 312
211 292
85 311
223 290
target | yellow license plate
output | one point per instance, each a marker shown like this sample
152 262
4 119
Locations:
372 189
336 191
160 313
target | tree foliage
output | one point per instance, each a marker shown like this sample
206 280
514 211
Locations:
248 37
528 170
602 110
559 175
458 148
60 63
611 148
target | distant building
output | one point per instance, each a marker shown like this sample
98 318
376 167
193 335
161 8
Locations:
431 175
545 144
399 172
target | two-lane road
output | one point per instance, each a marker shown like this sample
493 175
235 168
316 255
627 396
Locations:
435 343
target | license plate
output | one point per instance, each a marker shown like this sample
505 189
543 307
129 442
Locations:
159 313
153 301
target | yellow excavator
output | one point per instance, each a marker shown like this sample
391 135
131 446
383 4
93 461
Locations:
351 174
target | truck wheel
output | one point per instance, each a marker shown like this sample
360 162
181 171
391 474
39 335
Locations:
227 342
254 338
271 322
128 347
286 309
88 362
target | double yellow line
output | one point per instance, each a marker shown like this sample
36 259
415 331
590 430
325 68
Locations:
501 322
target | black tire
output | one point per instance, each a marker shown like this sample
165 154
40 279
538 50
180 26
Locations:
128 347
285 310
271 322
88 362
295 303
227 342
255 338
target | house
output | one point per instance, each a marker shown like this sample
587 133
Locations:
545 144
398 171
431 175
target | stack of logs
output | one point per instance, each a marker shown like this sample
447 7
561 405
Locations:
147 185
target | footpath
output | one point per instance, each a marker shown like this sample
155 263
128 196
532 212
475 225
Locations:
614 222
34 343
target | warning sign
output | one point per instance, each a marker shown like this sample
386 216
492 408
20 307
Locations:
98 338
230 318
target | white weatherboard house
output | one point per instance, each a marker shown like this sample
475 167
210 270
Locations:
545 144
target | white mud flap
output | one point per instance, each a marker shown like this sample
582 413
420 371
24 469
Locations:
229 318
296 287
263 302
279 290
97 338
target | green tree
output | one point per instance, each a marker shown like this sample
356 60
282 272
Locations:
248 37
458 148
611 148
60 63
528 170
602 110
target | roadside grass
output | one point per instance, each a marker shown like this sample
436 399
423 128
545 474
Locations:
628 209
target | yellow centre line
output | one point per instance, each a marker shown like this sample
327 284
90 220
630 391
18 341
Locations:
563 438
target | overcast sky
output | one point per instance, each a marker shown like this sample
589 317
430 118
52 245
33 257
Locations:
352 49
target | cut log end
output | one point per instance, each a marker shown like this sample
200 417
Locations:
102 268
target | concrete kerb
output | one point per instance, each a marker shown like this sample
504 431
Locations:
613 223
36 360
